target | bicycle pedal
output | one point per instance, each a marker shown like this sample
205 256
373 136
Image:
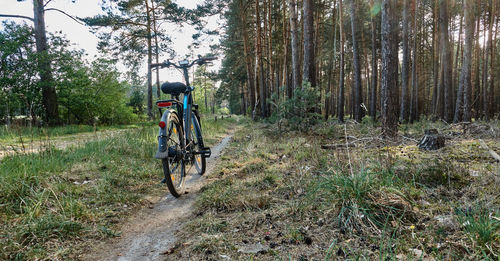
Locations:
206 152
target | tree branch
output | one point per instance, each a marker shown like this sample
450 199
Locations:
47 3
17 16
68 15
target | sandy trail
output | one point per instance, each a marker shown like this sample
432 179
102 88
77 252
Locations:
61 142
152 231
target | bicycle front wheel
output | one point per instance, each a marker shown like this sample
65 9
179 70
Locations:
173 166
200 162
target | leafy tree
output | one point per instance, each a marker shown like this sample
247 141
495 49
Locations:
49 95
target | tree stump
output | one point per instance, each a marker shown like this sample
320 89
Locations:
432 140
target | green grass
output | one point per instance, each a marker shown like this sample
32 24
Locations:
380 201
16 133
56 201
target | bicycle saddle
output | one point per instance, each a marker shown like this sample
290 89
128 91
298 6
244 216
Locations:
174 88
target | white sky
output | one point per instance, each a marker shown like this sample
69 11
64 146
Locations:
81 38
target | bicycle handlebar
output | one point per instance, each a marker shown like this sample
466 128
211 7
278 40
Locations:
199 61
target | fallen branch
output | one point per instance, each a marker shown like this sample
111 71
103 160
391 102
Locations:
408 138
334 146
492 152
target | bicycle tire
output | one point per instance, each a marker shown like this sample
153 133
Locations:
171 165
199 159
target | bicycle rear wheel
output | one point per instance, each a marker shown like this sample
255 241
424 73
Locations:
173 166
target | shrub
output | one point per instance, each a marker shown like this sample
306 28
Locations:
301 111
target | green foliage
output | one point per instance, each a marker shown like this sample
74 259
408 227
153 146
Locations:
88 93
205 91
299 112
480 224
94 95
19 90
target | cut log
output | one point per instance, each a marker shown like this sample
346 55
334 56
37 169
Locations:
432 140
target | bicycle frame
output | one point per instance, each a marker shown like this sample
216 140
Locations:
185 108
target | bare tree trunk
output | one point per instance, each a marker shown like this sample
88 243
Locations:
49 95
260 64
373 92
414 80
272 85
308 63
150 58
157 50
405 66
486 47
435 59
477 79
389 77
295 44
333 85
455 69
289 87
446 62
248 58
491 48
465 75
340 104
358 89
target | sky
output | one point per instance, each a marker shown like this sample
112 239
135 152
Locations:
82 38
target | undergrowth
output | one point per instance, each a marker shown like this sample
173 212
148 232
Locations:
279 194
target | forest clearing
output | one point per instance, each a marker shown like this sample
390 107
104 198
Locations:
250 130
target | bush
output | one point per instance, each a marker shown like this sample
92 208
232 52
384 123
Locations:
301 111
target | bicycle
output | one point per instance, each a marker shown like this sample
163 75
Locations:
180 140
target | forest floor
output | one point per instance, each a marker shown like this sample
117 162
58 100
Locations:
278 195
272 194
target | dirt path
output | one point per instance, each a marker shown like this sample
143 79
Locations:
152 231
60 142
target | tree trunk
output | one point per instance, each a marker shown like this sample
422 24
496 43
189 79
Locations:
150 58
455 69
295 44
260 64
414 79
358 89
477 79
465 75
389 77
446 62
248 57
340 104
435 59
405 66
491 93
373 92
308 63
157 50
49 95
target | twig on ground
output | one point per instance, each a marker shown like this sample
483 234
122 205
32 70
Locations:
492 152
334 146
408 138
347 148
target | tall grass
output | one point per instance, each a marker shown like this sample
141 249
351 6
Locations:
14 133
55 199
58 195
